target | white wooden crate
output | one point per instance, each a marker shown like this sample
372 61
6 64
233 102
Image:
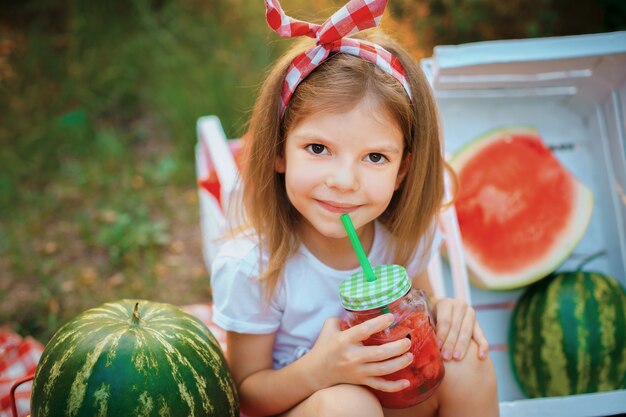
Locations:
573 90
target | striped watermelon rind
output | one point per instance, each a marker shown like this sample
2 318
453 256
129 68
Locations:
568 335
481 275
109 361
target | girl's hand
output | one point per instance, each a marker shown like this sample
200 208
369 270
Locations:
456 327
340 356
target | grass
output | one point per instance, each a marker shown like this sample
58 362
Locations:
97 185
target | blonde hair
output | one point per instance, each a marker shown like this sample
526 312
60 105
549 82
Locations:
338 84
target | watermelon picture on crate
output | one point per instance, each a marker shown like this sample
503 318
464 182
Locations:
133 358
520 211
568 335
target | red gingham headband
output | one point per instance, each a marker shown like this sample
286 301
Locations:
355 16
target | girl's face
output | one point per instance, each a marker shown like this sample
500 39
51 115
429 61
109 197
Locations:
350 162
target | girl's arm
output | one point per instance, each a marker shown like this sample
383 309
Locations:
456 323
337 357
263 391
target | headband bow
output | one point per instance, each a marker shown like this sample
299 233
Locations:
355 16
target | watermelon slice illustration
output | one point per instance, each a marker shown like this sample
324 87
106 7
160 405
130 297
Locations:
521 213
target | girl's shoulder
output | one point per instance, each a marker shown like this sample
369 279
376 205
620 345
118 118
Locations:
243 248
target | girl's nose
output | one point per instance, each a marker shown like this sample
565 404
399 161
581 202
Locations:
344 178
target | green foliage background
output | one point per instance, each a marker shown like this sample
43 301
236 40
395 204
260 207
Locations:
98 104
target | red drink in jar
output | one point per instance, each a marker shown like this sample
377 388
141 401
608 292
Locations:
412 320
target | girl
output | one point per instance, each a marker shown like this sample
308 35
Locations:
347 126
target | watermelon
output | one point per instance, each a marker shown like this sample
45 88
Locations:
520 212
133 358
568 335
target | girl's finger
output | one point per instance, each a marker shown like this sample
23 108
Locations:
388 366
386 351
481 340
465 335
443 316
382 384
456 320
362 331
332 324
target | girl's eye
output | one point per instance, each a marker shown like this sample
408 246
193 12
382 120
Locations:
376 158
316 148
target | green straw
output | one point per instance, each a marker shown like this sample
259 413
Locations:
358 248
360 253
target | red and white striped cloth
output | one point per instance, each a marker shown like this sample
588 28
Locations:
330 36
19 357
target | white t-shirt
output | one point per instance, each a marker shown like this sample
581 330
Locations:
307 295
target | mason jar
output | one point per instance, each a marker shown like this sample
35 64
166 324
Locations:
392 293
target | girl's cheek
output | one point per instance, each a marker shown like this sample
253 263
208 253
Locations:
381 186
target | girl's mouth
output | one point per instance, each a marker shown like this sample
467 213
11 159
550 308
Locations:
338 208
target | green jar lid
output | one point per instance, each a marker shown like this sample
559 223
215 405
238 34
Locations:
357 293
